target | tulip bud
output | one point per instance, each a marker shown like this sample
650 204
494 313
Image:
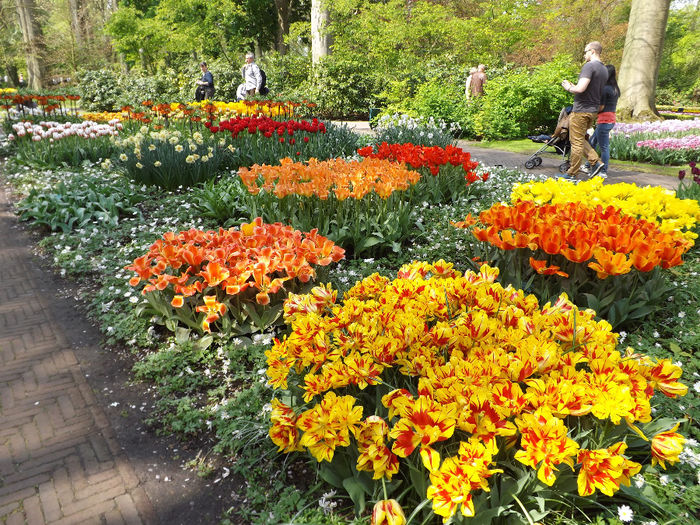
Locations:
666 446
681 174
388 512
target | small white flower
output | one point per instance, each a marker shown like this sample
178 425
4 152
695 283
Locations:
655 334
625 513
664 479
681 314
638 481
696 386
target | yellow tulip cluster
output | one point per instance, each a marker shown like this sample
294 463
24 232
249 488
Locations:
225 110
651 203
462 365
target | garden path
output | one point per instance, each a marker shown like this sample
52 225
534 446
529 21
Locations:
550 162
73 444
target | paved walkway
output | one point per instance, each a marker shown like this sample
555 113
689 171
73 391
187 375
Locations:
59 460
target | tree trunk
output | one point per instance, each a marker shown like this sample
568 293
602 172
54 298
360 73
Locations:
320 37
283 7
76 20
641 59
34 46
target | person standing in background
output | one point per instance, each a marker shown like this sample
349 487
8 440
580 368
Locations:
467 88
606 120
205 84
588 92
478 81
251 75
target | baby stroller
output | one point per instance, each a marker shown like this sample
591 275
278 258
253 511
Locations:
559 140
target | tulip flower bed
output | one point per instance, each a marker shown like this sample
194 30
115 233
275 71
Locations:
663 207
197 278
608 261
263 140
54 143
364 206
446 173
444 385
663 142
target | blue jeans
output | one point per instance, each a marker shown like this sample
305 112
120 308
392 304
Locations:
601 137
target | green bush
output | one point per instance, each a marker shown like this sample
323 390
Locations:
99 90
343 88
524 101
442 101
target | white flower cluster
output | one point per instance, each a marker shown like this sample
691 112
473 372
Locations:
404 121
53 131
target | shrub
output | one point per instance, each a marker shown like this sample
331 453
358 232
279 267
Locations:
342 88
99 90
442 101
524 102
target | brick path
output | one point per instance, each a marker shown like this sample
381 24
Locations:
59 461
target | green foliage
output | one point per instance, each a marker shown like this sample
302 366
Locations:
442 101
342 87
99 90
79 202
523 102
222 200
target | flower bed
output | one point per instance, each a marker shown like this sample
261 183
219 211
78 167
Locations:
447 173
585 246
364 206
661 142
651 203
230 272
54 142
435 378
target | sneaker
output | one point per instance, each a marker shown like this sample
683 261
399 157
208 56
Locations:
597 169
585 168
603 175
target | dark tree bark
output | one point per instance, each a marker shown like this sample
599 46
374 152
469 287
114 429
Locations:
283 8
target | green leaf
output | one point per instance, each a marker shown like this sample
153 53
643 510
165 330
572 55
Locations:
357 494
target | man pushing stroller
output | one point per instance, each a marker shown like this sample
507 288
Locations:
588 92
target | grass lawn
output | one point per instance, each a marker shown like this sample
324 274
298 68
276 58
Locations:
525 146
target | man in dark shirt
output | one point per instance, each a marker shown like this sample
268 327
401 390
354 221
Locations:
588 93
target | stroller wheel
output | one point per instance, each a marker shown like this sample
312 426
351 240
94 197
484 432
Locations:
529 164
538 161
564 167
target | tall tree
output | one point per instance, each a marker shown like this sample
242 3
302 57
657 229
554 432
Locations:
34 45
283 8
641 59
320 35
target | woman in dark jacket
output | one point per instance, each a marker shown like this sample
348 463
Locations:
606 119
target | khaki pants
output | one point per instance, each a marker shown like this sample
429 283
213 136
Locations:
578 124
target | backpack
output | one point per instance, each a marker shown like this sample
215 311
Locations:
263 85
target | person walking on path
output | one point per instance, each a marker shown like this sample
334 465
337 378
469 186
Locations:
468 85
606 120
205 85
478 81
588 93
251 75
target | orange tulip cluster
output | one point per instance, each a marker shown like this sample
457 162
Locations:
343 179
613 242
225 263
